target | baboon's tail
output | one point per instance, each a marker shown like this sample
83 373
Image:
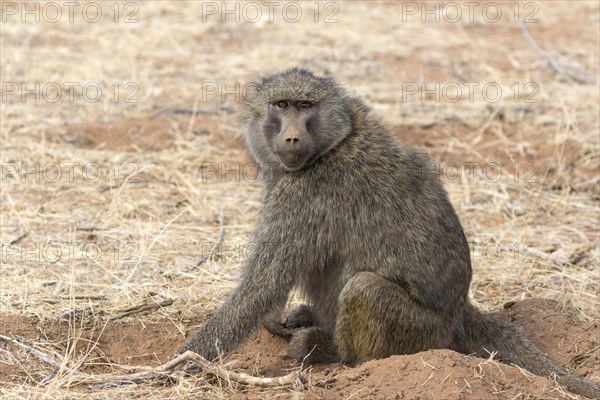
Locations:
484 334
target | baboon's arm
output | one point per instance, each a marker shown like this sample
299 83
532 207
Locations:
265 284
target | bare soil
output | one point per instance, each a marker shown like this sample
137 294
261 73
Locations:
429 374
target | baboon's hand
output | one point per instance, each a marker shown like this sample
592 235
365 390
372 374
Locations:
300 317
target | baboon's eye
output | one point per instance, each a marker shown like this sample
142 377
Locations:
305 104
281 104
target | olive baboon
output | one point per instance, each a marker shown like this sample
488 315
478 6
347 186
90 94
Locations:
360 225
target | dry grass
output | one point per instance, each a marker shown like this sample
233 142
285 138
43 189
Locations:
159 214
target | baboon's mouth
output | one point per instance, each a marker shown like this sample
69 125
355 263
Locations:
292 161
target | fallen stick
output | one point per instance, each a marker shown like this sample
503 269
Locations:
294 378
142 308
17 240
216 245
212 250
558 66
188 111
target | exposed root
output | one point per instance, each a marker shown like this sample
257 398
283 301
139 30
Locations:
294 378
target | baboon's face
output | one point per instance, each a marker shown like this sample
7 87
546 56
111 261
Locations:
293 118
290 131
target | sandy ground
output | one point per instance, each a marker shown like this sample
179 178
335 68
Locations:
119 149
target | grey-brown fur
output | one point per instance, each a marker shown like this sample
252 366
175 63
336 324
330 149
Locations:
368 235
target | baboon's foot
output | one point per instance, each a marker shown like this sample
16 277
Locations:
313 346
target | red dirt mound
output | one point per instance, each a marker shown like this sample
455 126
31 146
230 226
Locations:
433 374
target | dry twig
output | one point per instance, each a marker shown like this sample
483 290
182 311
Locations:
17 240
558 66
217 244
141 308
292 379
212 250
188 111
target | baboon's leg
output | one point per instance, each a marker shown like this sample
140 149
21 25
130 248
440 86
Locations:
299 317
378 318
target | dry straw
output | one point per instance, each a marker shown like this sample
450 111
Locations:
165 199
